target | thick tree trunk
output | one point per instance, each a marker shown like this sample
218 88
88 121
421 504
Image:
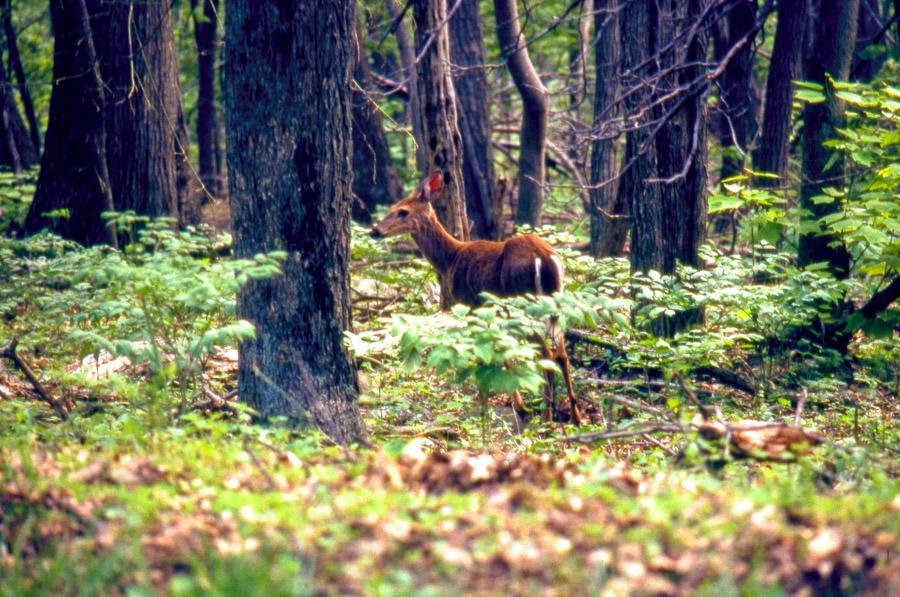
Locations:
738 97
682 155
535 107
73 173
206 38
830 54
771 154
15 63
638 31
287 92
408 59
681 142
374 177
437 106
473 109
609 209
139 67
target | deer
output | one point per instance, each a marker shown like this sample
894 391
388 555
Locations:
519 265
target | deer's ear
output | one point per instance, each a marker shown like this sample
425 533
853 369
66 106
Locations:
432 186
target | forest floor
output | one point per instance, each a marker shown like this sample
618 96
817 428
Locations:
140 492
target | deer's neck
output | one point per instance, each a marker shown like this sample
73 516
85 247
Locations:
438 246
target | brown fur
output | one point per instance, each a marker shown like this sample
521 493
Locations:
505 268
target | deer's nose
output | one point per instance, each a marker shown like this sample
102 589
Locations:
375 233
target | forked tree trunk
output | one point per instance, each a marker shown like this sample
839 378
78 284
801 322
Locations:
140 71
298 124
771 154
831 54
16 148
609 209
73 173
374 177
206 38
535 107
473 109
15 63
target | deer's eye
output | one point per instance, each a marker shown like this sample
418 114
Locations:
402 213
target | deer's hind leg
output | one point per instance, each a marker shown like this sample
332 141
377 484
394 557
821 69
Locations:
560 355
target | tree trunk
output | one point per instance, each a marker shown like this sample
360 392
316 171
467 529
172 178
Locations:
73 173
771 154
473 108
187 184
870 32
681 148
738 97
535 106
408 58
16 149
831 53
609 224
374 177
287 92
139 67
205 35
681 142
437 108
15 64
638 27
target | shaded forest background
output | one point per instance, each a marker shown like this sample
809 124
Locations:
212 378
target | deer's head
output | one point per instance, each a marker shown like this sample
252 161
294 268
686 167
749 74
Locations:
413 212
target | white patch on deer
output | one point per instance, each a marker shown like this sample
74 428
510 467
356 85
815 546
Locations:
559 271
537 276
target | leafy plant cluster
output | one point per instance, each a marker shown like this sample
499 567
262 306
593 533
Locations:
752 306
165 302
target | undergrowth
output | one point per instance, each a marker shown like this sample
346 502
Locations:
150 487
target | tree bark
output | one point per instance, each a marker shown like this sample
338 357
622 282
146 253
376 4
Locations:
869 32
535 107
639 24
609 209
15 64
287 92
681 142
437 109
408 59
375 180
738 95
830 55
187 184
73 173
771 154
206 38
140 70
473 109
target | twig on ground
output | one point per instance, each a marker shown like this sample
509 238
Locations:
804 395
587 438
259 465
9 352
707 412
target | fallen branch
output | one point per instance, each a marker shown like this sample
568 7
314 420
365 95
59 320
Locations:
9 352
587 438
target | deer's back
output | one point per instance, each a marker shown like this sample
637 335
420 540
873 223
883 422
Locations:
523 264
